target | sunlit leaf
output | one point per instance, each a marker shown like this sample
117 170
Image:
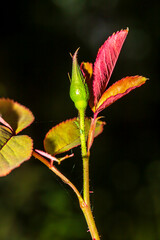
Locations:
118 90
15 151
87 70
65 136
15 114
105 62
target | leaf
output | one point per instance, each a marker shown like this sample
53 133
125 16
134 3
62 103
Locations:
16 150
15 114
87 70
118 90
13 149
105 62
91 133
65 136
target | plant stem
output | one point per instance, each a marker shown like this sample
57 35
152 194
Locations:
85 159
86 194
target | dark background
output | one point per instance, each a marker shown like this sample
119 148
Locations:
36 38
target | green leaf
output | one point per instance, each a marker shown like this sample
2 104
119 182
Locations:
15 114
14 152
65 135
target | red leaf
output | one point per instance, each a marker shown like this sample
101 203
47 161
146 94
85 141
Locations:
118 90
92 132
105 62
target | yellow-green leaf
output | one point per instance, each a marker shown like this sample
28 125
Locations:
15 114
65 135
14 152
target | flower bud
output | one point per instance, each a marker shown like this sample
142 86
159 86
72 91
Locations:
79 92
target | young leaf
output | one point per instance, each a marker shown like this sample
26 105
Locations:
118 90
105 62
87 70
16 150
91 133
15 114
65 136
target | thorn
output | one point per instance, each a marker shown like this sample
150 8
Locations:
51 163
91 192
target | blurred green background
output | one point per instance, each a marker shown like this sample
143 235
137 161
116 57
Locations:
36 38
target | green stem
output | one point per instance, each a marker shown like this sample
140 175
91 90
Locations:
86 194
85 159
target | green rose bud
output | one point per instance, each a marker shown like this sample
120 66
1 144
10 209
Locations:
79 92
